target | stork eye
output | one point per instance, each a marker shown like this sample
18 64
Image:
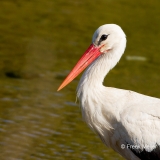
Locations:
103 37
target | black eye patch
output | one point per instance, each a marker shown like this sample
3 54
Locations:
103 37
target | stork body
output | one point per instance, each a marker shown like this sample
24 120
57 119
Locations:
124 120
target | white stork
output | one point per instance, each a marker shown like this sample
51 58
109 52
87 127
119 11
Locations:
126 121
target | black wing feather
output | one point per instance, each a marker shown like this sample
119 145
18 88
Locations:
145 155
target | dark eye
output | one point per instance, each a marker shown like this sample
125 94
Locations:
103 37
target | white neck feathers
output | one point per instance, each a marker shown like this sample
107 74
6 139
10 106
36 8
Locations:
92 93
92 78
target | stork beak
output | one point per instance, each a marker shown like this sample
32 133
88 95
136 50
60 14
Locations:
87 58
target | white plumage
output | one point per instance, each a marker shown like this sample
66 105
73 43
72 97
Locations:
119 117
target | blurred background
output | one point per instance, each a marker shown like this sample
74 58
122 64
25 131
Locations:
40 41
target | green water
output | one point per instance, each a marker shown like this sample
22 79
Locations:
40 41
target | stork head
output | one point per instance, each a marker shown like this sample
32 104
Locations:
106 38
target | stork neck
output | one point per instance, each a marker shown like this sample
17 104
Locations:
94 75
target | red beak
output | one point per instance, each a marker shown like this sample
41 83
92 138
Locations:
87 58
